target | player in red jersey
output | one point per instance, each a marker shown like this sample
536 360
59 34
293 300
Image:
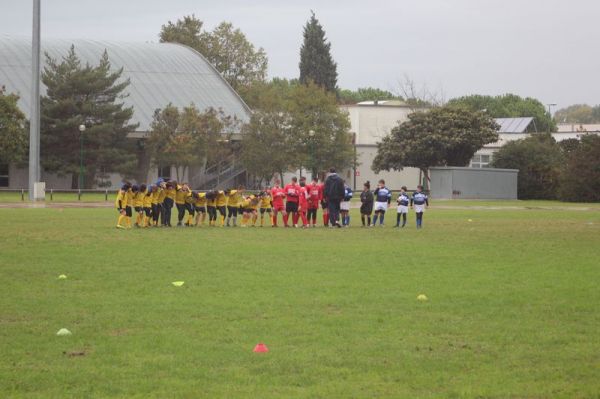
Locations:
315 196
292 193
278 194
303 203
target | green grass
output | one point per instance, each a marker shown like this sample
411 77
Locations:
513 308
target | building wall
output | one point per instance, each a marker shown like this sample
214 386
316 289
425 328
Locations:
408 177
470 183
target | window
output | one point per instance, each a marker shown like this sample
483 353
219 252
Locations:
164 172
3 175
481 161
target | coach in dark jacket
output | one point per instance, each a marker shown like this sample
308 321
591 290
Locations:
334 192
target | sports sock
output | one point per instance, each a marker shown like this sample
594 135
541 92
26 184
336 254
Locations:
295 218
403 219
375 219
120 220
128 221
398 219
285 219
235 220
368 220
381 219
254 218
362 219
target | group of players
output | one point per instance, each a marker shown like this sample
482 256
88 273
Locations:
153 205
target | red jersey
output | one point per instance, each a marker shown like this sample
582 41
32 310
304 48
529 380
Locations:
303 201
277 194
292 192
315 195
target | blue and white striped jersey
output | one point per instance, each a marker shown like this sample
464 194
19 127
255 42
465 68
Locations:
383 194
419 198
403 199
347 193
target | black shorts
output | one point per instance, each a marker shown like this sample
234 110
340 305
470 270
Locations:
128 211
233 210
323 204
263 210
138 209
190 208
249 210
222 210
148 211
291 207
200 209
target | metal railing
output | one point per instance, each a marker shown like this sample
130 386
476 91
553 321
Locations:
51 193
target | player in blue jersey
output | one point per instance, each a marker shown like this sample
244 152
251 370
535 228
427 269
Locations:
345 206
383 197
419 202
403 201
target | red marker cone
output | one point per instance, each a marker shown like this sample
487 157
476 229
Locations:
261 348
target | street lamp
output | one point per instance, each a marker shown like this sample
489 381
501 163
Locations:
311 134
81 130
550 108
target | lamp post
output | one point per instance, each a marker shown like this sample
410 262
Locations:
311 134
550 108
81 130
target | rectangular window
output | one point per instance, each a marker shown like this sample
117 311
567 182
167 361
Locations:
3 175
481 161
164 172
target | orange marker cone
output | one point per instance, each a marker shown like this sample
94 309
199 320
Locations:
261 348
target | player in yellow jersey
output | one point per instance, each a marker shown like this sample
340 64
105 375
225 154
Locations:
221 204
189 206
234 199
138 204
266 205
121 205
129 207
250 205
147 205
170 192
199 207
211 207
160 198
181 193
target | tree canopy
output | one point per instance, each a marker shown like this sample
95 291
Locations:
92 96
580 179
365 94
443 136
225 47
13 134
539 160
316 63
509 106
578 113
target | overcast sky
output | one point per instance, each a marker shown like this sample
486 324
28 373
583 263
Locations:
539 48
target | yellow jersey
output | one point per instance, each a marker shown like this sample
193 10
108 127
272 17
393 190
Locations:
162 194
138 199
265 201
170 193
180 195
211 202
129 197
155 195
200 200
234 198
147 202
221 199
121 201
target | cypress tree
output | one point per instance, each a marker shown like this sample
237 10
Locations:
316 63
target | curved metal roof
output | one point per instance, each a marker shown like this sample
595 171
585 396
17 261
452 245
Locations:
160 73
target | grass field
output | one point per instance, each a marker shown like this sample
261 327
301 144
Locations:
513 310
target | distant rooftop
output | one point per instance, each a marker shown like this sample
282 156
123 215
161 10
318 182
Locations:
160 73
513 125
388 103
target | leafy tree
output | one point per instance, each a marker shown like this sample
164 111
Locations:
316 62
569 145
365 94
509 106
580 180
89 95
225 47
444 136
539 160
13 134
187 138
578 114
321 131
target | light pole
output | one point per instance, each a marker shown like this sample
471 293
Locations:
311 134
34 125
550 108
81 130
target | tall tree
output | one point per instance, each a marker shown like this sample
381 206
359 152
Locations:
580 179
90 95
13 134
578 114
509 106
539 160
187 138
444 136
316 62
225 47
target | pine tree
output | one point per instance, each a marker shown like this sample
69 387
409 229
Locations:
316 63
89 95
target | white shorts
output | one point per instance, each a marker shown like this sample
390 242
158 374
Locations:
380 206
345 206
402 209
419 208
